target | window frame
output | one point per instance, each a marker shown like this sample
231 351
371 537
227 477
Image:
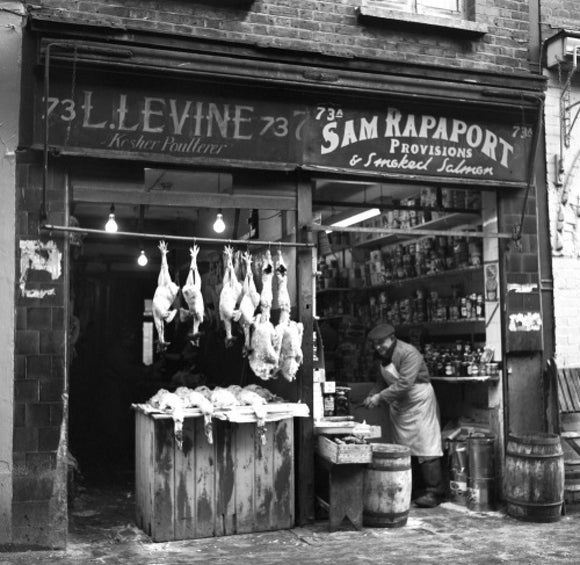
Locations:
460 22
419 7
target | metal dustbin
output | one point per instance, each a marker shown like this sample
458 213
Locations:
481 475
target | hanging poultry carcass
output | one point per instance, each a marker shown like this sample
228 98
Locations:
169 402
264 355
250 299
229 295
163 299
291 356
193 399
290 333
193 296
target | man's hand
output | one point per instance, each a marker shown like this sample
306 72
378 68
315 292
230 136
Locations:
372 401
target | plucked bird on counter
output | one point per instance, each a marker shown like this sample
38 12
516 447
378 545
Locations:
264 355
193 399
267 395
247 397
192 294
205 390
250 299
289 332
229 295
169 402
223 398
163 299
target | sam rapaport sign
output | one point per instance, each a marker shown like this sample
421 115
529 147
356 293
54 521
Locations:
188 126
396 140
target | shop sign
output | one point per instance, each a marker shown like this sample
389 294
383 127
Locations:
172 125
409 141
189 126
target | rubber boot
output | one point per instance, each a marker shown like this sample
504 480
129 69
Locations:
432 479
418 488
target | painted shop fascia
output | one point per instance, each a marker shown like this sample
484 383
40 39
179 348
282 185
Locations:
336 117
189 124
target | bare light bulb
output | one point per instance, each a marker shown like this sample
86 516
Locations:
111 225
142 259
219 225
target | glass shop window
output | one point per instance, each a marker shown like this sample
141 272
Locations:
447 8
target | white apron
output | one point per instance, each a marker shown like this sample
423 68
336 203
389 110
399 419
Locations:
415 420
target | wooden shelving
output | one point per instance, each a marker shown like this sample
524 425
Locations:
334 289
478 379
333 317
425 278
449 327
445 222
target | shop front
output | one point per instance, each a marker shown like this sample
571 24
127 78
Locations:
130 133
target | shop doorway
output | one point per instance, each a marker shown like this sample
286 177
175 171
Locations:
115 361
426 260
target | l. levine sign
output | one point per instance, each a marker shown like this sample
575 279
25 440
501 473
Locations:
195 126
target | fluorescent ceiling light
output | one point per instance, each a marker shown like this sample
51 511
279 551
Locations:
357 218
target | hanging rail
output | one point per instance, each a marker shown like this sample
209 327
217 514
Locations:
138 235
414 232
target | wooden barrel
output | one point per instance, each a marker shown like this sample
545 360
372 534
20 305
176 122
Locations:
534 477
387 486
570 438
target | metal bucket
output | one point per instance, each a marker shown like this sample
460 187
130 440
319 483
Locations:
481 477
458 466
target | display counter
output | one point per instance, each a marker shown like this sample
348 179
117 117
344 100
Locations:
242 482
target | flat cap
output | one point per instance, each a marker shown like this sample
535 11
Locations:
381 331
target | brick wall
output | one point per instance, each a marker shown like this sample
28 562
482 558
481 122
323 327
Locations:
318 26
38 481
559 14
563 192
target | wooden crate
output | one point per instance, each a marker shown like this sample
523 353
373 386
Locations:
236 485
338 453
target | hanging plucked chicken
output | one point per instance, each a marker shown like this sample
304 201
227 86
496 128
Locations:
263 356
289 332
250 300
163 299
192 294
229 295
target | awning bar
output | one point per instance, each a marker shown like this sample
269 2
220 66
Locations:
159 236
414 232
